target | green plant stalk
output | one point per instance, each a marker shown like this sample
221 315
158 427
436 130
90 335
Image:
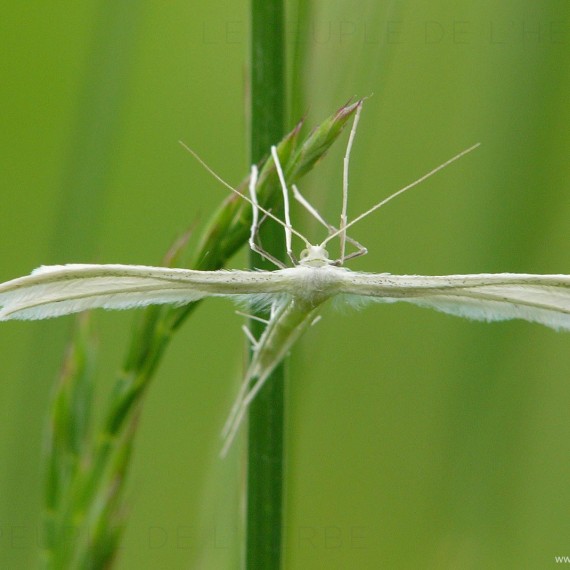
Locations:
86 473
299 16
265 450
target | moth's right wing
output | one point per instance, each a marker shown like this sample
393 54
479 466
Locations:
51 291
543 299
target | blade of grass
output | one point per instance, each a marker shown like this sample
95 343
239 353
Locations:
265 471
300 16
67 438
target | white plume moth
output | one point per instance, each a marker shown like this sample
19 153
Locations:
294 294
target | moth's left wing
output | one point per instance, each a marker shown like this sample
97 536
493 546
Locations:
56 290
543 299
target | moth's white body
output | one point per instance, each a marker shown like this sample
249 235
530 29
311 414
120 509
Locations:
294 294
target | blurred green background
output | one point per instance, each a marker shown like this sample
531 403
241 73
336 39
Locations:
415 439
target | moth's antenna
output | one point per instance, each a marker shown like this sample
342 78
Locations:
235 191
401 191
343 215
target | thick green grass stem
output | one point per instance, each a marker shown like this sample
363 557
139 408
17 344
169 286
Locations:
264 514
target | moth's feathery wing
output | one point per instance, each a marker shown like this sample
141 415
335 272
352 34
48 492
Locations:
543 299
51 291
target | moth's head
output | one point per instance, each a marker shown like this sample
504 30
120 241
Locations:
315 256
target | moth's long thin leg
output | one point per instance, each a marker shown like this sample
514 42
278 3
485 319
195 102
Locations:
267 255
232 425
232 429
255 221
239 410
234 412
361 251
314 212
258 248
249 336
343 215
288 227
254 317
254 206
